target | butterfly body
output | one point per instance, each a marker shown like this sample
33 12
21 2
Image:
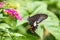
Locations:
35 20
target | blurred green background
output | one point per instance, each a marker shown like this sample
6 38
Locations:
11 29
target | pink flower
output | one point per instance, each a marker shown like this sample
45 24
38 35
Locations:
2 3
14 13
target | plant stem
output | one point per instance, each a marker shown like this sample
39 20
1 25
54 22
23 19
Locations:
45 33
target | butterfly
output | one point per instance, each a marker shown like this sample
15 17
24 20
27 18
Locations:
35 20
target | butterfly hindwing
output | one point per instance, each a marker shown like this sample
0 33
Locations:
35 20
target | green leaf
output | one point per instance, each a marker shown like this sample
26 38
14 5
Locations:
27 37
8 38
21 29
29 8
39 31
36 7
23 12
50 1
58 4
3 26
10 21
51 24
24 20
1 15
16 34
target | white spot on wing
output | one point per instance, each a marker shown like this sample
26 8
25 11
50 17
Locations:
35 23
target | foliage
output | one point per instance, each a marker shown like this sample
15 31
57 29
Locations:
13 29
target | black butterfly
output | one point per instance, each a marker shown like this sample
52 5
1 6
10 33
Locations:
35 20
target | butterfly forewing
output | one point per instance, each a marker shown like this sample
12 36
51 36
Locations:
41 18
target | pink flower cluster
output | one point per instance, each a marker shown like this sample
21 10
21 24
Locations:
14 13
2 3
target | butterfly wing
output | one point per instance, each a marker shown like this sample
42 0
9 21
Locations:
41 18
36 19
